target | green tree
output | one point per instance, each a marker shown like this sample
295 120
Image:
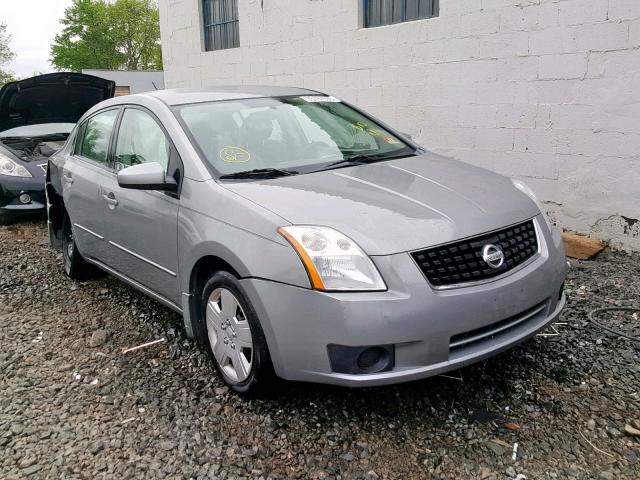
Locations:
138 27
87 40
117 34
6 55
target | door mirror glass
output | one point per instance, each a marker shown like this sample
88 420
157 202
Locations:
146 176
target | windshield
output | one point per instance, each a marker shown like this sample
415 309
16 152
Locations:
300 134
39 130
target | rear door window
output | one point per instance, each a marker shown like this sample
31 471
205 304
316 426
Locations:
95 135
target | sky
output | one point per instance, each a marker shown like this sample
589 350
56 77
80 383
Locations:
32 24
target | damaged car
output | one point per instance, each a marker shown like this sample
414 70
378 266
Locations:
299 236
36 116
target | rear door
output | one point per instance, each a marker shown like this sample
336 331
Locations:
142 225
81 179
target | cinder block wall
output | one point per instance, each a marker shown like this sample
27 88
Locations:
546 90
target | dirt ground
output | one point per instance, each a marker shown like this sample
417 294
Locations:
73 406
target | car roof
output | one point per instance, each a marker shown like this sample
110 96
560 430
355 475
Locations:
184 96
231 92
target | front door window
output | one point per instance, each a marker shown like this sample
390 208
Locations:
140 140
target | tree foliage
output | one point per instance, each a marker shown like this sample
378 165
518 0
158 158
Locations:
6 55
116 34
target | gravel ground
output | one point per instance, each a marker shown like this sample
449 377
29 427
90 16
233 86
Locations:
73 406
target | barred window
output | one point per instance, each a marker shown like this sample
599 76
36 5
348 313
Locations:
386 12
221 26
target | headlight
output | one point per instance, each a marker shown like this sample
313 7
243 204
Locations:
332 260
524 188
11 168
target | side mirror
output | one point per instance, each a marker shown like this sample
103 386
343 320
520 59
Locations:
146 176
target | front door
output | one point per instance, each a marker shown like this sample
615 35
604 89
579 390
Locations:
82 176
142 226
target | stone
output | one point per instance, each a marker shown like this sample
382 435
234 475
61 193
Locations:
629 430
497 448
98 338
484 473
96 447
167 445
27 462
614 432
16 428
31 470
607 475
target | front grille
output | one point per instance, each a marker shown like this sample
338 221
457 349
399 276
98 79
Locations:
462 342
462 262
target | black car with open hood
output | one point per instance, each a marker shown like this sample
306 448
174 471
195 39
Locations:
36 116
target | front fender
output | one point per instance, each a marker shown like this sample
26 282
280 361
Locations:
250 255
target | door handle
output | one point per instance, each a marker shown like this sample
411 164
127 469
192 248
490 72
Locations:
68 178
110 198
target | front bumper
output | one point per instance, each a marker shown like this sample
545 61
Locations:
418 321
12 187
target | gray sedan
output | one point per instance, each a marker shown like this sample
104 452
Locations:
302 238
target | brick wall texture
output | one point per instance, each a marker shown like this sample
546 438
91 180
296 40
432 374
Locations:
545 90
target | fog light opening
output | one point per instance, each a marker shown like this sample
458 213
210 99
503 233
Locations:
373 359
24 198
361 360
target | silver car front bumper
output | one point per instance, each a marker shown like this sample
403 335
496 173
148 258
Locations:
432 331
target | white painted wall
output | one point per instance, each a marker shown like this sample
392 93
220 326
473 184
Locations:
547 90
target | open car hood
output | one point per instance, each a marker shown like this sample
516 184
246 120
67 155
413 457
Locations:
51 98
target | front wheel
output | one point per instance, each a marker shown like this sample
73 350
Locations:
234 337
74 265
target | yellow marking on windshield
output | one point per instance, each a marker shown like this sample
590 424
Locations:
365 127
234 155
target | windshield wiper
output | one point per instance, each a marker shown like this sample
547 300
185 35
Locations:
260 173
362 159
354 160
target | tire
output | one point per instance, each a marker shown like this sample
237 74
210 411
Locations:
233 336
5 219
73 264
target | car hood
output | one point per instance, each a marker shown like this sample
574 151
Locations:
397 205
51 98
